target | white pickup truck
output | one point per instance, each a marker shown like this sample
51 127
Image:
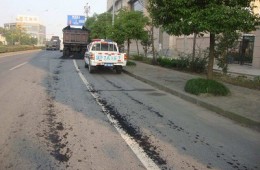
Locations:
104 53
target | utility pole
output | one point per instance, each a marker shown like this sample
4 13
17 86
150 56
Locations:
113 15
87 10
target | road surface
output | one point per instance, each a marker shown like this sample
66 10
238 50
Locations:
55 115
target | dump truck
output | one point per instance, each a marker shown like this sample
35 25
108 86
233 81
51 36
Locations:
75 41
53 44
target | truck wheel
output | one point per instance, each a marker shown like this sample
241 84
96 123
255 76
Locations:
119 70
66 53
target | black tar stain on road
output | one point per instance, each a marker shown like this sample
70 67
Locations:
53 134
151 109
134 132
131 130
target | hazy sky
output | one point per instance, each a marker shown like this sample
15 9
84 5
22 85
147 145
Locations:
52 13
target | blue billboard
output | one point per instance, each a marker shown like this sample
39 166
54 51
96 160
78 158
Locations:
76 20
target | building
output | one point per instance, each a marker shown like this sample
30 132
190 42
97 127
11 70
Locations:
164 43
168 45
31 25
2 40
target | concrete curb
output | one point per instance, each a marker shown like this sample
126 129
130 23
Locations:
233 116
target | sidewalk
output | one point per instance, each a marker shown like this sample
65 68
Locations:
242 106
241 70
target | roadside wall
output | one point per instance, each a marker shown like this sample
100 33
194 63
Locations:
184 44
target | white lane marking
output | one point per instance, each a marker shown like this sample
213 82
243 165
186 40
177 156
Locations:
139 152
20 65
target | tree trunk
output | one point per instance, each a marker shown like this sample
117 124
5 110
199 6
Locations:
193 51
137 47
128 47
211 56
145 51
153 50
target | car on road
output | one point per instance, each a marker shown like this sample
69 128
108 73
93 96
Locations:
104 53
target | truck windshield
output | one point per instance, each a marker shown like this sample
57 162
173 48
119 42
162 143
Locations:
104 47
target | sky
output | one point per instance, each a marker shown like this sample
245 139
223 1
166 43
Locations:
52 13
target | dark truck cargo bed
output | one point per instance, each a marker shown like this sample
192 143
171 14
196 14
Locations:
75 41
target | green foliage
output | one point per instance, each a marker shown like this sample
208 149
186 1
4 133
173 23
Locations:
166 62
201 86
198 64
257 79
128 25
132 23
99 25
181 63
225 41
185 17
184 63
130 63
142 58
19 35
4 49
137 57
146 41
180 17
240 80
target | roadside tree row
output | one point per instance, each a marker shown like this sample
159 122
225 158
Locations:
179 17
128 26
17 36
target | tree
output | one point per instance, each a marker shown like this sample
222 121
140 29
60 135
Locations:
129 25
224 43
99 25
146 41
13 35
179 17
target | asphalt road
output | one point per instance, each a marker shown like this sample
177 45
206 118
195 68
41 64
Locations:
55 115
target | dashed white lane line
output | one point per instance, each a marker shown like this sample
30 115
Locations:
138 151
20 65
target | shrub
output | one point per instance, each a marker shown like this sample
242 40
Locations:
165 62
4 49
182 63
257 79
198 65
242 81
130 63
138 57
199 86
